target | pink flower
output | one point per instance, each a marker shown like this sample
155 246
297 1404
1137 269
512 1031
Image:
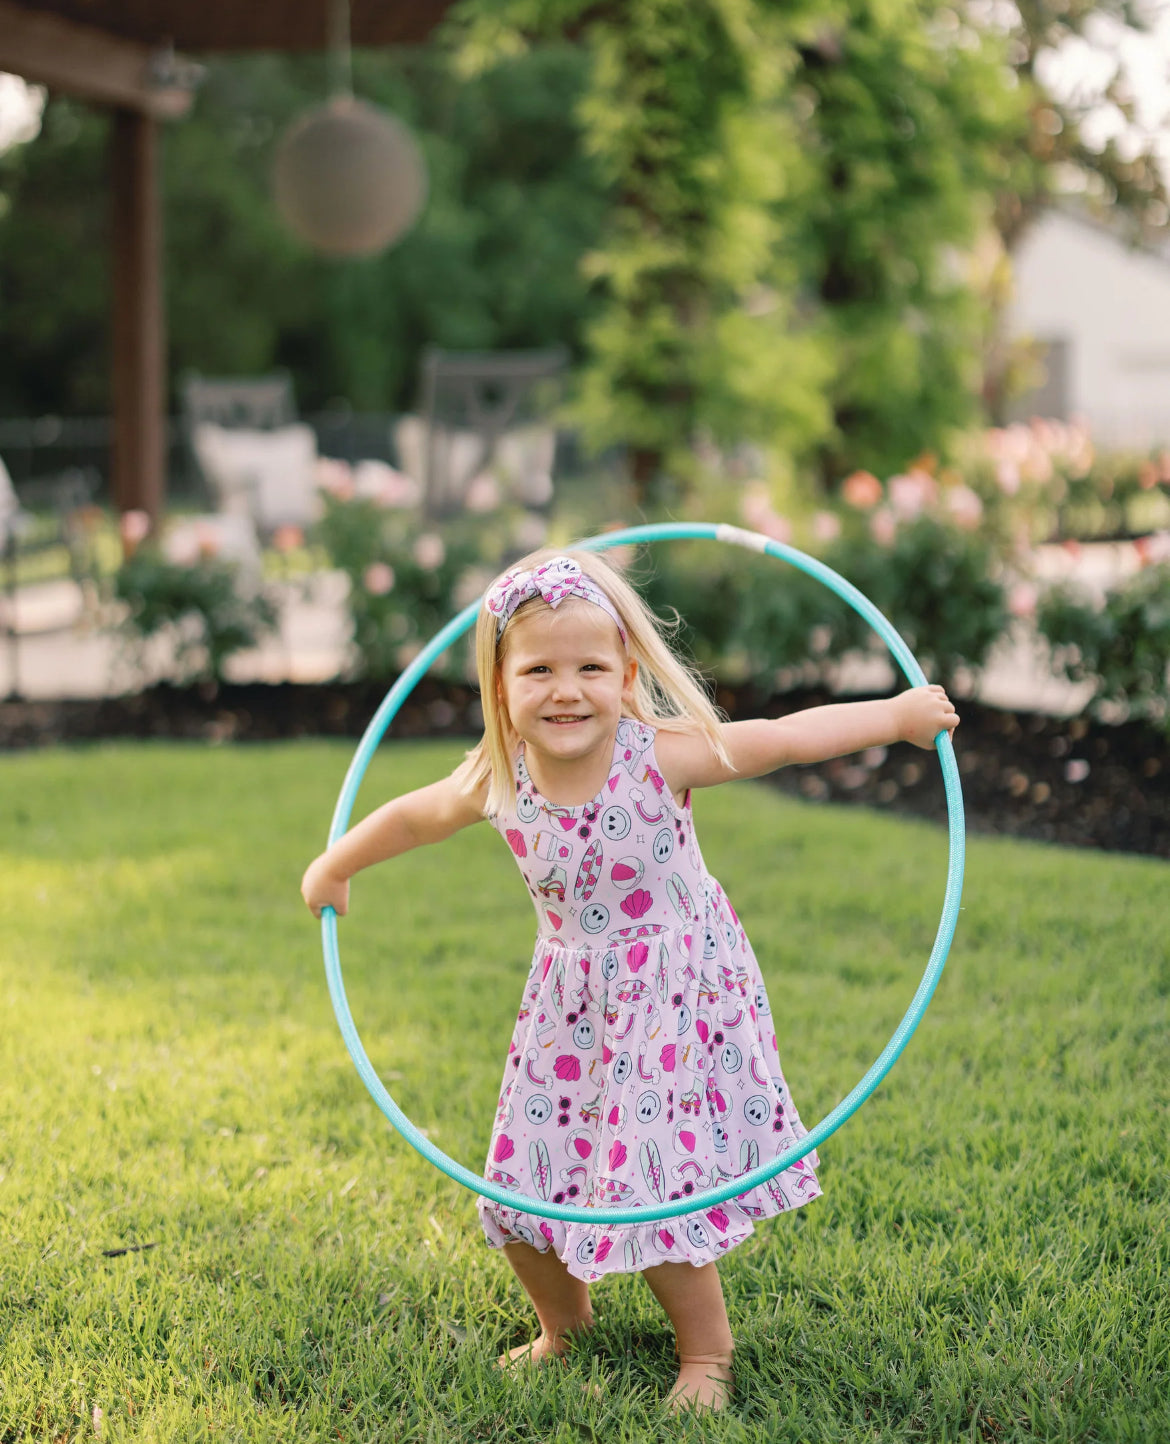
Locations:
378 579
567 1067
862 489
1007 473
779 528
482 494
883 526
617 1156
335 477
756 510
504 1148
965 508
429 551
638 902
826 527
207 541
911 494
133 527
1153 550
1022 600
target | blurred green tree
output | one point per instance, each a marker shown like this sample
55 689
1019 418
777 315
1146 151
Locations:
55 268
906 114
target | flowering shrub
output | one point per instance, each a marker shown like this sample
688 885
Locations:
1046 480
203 609
1121 645
937 582
408 577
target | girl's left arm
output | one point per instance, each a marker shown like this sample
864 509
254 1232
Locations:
814 735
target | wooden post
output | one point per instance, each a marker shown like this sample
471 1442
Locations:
138 460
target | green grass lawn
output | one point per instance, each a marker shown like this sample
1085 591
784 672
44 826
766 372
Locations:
991 1260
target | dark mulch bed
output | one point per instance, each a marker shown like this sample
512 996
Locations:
1060 780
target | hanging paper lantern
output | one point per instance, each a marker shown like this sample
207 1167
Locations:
349 179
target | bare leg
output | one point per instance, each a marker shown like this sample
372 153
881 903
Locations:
562 1303
693 1300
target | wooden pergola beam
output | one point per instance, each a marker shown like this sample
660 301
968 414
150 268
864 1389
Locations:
91 64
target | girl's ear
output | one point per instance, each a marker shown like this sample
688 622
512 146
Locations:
629 678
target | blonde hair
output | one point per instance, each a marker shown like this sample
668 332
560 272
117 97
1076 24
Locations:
666 693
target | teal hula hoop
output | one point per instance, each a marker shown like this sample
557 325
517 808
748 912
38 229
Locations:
604 1217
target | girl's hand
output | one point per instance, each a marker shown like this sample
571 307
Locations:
923 713
322 887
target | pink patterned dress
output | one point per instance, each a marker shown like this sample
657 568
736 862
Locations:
643 1066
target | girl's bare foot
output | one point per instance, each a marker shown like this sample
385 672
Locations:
704 1382
543 1347
537 1352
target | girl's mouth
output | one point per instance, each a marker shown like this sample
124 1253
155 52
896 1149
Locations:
564 719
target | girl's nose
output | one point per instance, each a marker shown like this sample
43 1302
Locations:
566 686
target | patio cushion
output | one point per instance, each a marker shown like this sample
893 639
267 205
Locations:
267 475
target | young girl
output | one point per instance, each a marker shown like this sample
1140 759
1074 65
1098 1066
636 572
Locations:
643 1065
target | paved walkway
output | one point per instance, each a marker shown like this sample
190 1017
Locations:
62 649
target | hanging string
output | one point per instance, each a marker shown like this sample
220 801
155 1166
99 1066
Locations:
340 53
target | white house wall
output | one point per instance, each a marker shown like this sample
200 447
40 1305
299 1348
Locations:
1076 283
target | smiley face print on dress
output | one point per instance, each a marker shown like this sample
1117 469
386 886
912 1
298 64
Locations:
663 845
623 1066
527 807
648 1107
731 1058
539 1108
584 1035
615 823
757 1109
595 917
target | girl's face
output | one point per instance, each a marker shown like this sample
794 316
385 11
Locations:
564 680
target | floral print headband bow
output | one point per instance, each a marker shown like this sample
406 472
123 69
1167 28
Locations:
553 581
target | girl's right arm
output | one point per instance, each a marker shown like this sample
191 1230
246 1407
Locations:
428 815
